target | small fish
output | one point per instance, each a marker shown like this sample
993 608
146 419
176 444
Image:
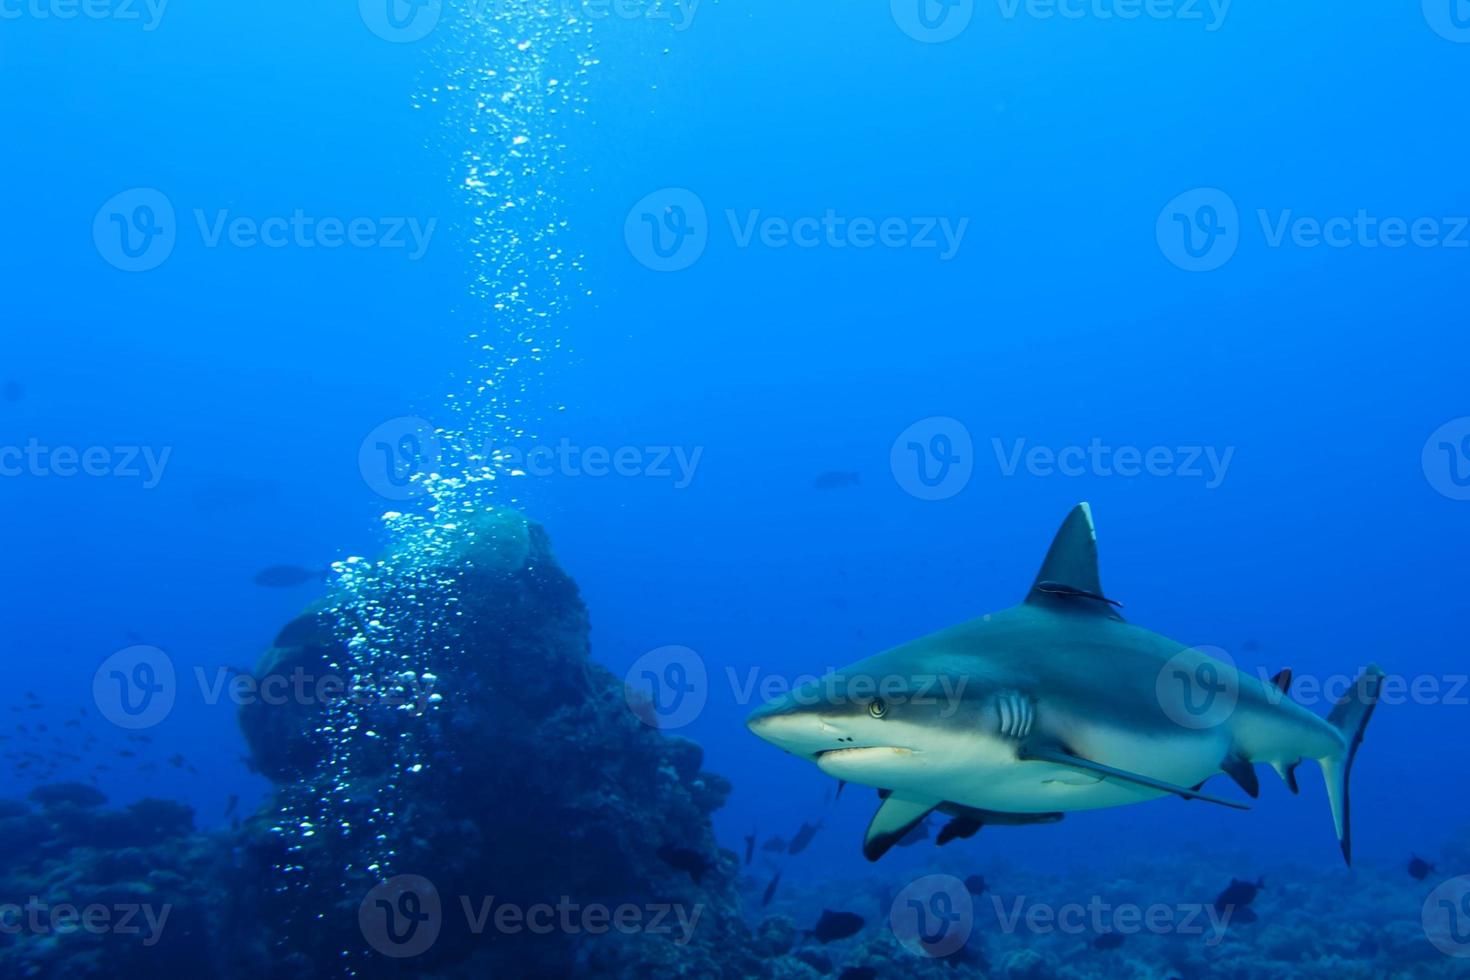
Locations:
774 844
833 926
750 847
1238 894
858 973
1108 940
286 576
803 838
770 891
177 761
834 479
1419 868
975 885
686 860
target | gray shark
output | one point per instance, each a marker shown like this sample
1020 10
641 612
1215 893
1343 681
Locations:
1057 705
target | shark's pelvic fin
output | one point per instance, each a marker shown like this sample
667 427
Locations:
1064 758
1069 578
896 816
1244 775
1287 772
958 828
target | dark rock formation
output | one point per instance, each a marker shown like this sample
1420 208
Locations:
539 785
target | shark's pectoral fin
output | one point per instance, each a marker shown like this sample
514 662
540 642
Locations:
1061 757
1069 580
896 816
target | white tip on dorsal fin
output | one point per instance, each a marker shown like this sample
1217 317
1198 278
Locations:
1069 575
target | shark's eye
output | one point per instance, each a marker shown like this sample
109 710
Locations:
877 708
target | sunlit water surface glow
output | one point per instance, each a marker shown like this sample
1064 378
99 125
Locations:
507 76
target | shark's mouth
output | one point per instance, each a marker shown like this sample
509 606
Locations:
862 750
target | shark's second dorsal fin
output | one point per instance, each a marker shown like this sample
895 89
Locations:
1069 578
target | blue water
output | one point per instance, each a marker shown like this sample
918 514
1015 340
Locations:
1068 313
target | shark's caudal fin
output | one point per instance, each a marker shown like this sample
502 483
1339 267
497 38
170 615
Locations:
1069 580
1349 716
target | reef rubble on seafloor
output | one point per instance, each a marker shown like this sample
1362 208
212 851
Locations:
537 785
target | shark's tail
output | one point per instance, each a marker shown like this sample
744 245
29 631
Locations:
1349 716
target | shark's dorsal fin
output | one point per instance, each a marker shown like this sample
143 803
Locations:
1069 579
896 816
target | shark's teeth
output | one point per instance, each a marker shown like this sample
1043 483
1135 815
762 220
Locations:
1016 714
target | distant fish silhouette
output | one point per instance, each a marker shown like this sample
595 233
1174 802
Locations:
750 847
770 891
286 576
803 838
684 859
1235 900
833 926
833 479
975 885
1419 868
1108 940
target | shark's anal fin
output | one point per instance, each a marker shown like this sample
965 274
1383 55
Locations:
1063 758
896 816
1069 580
